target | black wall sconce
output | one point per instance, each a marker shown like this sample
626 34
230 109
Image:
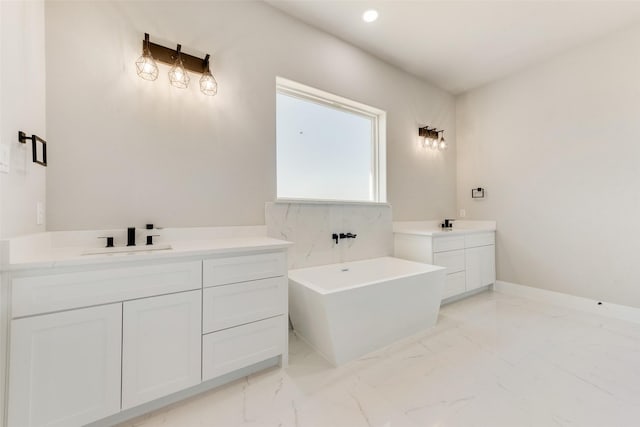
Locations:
432 138
22 137
147 68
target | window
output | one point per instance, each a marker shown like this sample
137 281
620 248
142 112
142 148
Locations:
328 147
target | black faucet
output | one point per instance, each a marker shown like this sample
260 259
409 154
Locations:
448 223
109 241
131 236
336 236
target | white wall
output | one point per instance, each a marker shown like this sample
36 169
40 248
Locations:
125 151
22 108
558 149
22 104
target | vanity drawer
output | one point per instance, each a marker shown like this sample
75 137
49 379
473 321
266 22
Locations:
235 348
452 260
454 284
441 244
479 239
223 271
42 294
232 305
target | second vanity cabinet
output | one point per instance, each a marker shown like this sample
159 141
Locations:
85 345
468 257
480 266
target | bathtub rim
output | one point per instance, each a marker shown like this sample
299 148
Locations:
428 268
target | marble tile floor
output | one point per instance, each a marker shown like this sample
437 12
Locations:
492 360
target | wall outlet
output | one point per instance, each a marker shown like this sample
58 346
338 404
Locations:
39 213
463 213
5 158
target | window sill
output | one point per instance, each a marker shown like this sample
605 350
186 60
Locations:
329 202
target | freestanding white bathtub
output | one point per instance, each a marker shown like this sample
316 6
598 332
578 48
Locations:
347 310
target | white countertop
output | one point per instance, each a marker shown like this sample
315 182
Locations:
433 228
44 256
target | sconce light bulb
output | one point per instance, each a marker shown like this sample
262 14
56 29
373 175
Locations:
146 67
208 84
370 15
443 144
178 75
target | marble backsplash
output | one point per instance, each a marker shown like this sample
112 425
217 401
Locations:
310 227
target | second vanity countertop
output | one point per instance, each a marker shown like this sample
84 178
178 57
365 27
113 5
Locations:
39 253
432 228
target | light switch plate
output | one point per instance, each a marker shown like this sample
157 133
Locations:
5 158
39 213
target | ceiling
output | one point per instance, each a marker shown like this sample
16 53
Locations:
460 45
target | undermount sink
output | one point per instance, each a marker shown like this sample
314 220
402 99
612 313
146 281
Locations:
126 249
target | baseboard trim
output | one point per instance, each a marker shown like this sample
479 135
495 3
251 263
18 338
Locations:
456 298
616 311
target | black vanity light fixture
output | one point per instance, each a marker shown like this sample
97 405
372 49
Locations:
180 62
208 84
433 138
146 66
22 137
178 76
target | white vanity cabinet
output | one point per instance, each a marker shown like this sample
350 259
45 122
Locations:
161 346
480 260
65 367
468 256
83 340
480 267
87 344
245 318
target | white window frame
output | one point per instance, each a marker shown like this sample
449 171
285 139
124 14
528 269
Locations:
379 137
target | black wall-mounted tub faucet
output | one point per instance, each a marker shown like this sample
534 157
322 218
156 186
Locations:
336 236
347 236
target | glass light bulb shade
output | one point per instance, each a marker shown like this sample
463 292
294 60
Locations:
146 67
443 145
178 76
208 85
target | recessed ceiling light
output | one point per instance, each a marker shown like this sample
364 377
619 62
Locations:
370 15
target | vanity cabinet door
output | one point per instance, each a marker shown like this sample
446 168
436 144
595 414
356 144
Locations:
65 367
161 346
480 266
